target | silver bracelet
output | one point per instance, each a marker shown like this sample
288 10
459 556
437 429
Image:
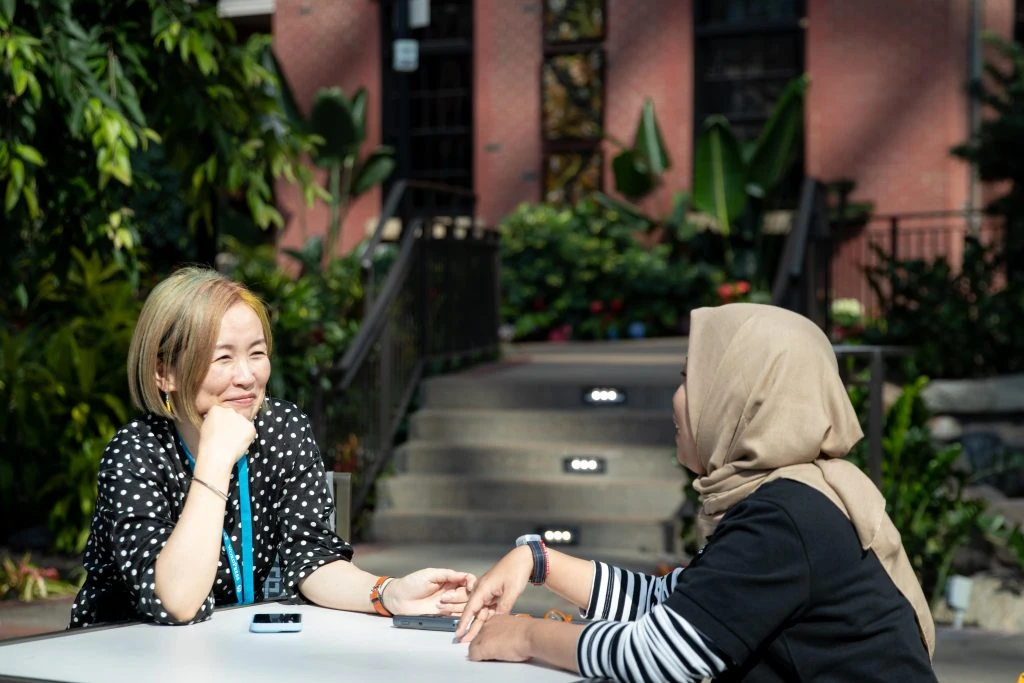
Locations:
211 487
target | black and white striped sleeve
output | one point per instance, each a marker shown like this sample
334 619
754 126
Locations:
660 646
621 595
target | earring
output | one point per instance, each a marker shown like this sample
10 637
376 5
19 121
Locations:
167 404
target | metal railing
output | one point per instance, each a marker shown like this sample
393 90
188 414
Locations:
876 357
802 279
926 235
438 301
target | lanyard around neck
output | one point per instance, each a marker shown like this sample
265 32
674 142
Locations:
243 576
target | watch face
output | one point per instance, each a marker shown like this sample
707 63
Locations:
527 538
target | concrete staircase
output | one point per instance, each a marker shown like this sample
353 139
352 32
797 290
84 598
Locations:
485 459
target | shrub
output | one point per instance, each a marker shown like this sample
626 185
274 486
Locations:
925 490
961 323
581 272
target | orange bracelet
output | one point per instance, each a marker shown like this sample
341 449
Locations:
378 605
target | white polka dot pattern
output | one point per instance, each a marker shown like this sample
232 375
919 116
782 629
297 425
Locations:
143 480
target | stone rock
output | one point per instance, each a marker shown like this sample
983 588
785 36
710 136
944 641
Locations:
945 428
997 604
890 394
1003 394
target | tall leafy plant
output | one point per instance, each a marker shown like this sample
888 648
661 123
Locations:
63 394
997 146
338 123
731 181
89 86
925 488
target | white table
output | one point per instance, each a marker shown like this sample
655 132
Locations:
333 646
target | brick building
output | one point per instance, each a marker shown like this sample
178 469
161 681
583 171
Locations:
886 102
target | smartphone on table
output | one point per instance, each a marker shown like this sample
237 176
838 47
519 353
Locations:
276 623
426 622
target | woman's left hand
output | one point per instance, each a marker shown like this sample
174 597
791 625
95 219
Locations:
429 591
503 638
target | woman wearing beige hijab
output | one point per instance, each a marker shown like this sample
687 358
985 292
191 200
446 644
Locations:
803 576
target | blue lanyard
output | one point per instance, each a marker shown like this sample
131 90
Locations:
243 577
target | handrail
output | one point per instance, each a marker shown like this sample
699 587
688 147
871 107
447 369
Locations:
391 209
375 319
417 317
921 215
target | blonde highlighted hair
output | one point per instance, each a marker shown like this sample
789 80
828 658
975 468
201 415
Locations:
176 334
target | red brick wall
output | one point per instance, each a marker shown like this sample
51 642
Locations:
650 54
507 136
323 43
886 104
887 101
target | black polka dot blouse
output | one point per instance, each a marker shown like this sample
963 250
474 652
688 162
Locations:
144 477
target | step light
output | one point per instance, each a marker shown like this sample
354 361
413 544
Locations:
584 464
604 396
560 535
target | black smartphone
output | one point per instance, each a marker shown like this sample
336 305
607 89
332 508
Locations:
276 622
427 622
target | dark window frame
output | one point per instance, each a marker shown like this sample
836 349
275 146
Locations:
706 31
583 146
404 138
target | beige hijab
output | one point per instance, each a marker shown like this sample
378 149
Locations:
766 402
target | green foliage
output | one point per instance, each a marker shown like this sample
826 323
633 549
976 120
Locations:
924 488
961 322
581 272
732 182
26 581
997 147
638 169
63 395
314 318
338 123
89 89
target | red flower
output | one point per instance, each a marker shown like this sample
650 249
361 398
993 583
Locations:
742 287
616 305
596 306
725 292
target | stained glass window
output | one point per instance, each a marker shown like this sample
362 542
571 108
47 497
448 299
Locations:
571 21
571 176
573 96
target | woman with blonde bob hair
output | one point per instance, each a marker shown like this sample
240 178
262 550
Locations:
803 576
200 494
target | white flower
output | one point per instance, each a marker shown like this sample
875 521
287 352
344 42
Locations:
847 308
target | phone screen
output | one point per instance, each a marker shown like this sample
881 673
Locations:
277 618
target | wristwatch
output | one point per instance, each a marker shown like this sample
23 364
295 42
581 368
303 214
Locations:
541 565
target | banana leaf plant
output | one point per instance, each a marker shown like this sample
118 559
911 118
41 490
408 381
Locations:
638 170
731 181
340 124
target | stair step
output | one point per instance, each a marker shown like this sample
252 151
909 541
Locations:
601 425
558 495
533 459
621 534
535 387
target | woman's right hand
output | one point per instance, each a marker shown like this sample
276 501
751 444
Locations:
224 436
496 592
